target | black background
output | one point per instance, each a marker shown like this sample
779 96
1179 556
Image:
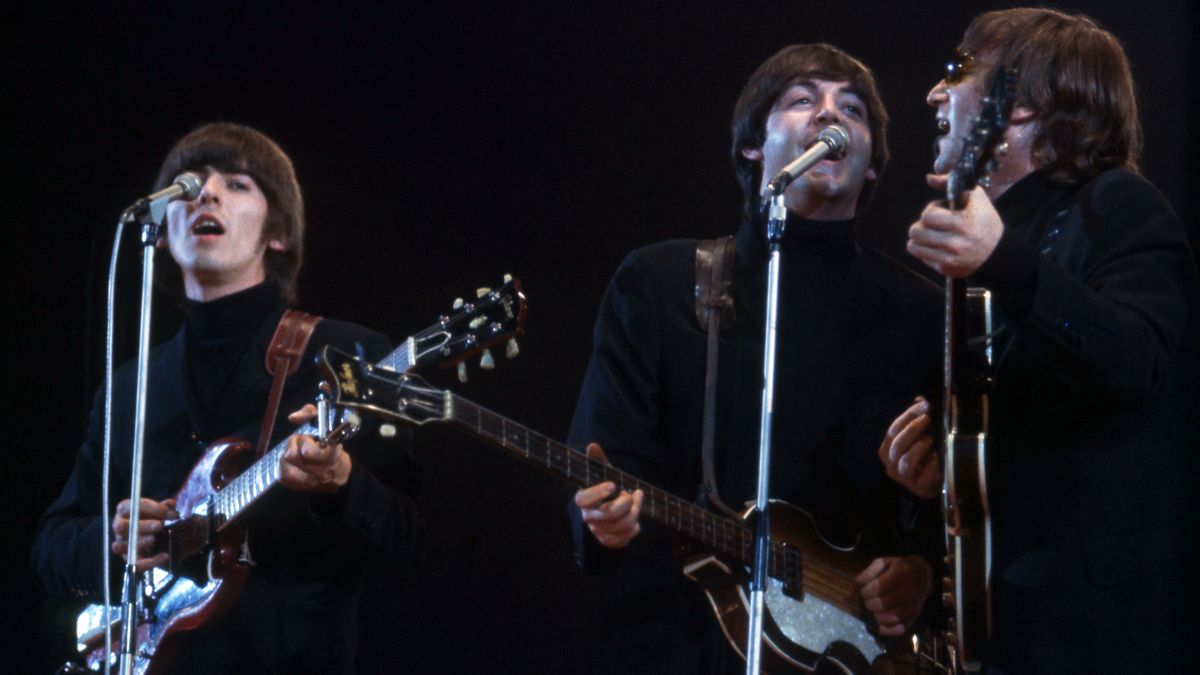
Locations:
440 145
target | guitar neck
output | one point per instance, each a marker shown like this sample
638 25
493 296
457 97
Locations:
724 535
231 501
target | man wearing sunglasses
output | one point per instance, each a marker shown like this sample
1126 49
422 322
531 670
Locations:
1093 420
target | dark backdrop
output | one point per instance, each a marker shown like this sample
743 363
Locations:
440 146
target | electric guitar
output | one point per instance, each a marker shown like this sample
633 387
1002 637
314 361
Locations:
814 617
207 566
965 405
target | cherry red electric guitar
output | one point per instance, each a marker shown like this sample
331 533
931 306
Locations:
207 567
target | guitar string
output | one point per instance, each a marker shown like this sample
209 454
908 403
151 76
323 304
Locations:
689 518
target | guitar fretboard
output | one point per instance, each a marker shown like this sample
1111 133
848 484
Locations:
724 535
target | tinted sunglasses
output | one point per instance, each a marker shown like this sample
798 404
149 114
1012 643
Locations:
959 67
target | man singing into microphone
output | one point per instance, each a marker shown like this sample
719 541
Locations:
236 248
1093 428
849 320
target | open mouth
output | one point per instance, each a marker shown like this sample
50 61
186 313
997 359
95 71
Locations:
943 131
207 226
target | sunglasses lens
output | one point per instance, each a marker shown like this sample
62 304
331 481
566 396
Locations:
959 67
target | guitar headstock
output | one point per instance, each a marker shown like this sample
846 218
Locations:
977 156
470 328
358 385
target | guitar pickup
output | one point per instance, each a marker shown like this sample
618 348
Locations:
791 573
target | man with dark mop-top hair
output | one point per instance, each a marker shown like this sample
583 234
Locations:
236 249
1093 425
849 320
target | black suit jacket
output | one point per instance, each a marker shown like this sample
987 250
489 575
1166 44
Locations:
1094 428
297 612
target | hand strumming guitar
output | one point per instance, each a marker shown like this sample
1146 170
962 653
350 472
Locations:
907 452
151 515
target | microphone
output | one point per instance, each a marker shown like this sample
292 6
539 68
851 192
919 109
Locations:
832 141
186 186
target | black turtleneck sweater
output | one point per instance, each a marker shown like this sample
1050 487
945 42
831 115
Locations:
851 321
297 610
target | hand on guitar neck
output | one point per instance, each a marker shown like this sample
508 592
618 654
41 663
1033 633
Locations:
309 465
955 242
612 520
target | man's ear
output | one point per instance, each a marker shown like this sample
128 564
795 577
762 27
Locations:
752 154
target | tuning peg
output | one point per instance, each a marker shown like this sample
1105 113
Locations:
507 278
486 361
511 349
458 303
480 292
462 371
387 430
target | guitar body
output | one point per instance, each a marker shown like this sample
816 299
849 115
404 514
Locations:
964 495
204 577
801 634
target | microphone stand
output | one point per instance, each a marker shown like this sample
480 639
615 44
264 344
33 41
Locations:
156 212
776 222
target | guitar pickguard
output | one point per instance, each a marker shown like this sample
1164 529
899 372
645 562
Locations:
798 633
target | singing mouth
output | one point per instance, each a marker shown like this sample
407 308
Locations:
206 226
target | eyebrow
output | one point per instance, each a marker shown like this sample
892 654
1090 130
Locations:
848 88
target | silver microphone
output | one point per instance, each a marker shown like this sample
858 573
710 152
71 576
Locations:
186 187
831 142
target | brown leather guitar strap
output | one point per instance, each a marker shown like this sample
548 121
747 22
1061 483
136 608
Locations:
283 358
714 311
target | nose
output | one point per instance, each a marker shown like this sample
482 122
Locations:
210 192
827 111
937 95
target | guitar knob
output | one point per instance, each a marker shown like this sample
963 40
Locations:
462 371
458 303
486 361
387 430
507 278
511 349
482 291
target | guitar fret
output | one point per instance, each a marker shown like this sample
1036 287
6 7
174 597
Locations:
728 536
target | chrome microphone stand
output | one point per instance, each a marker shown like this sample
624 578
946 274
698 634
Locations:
152 224
776 222
832 140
